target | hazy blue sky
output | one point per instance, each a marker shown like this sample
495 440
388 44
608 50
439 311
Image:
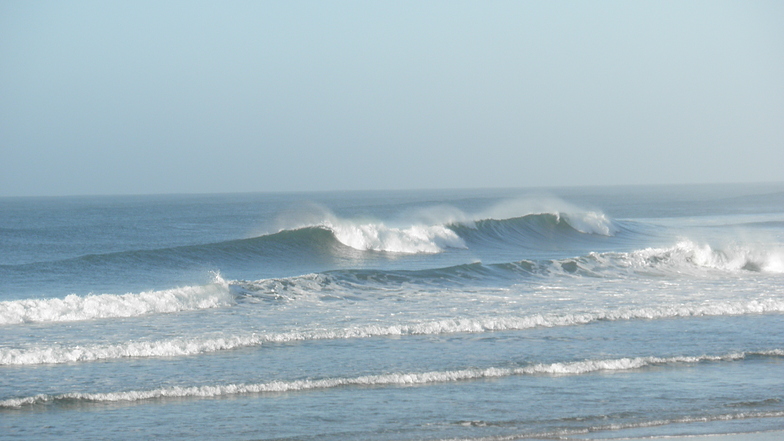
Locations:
167 96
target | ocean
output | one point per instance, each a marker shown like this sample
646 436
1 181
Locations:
491 314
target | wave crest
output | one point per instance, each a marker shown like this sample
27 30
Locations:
193 346
391 379
435 229
690 254
94 306
591 222
379 237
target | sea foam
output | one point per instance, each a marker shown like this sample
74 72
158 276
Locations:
590 222
379 237
54 354
390 379
94 306
688 254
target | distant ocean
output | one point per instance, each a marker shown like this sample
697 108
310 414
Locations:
419 315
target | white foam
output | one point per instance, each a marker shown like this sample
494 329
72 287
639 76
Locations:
427 231
177 347
92 306
193 346
391 379
590 222
688 254
376 236
435 238
411 237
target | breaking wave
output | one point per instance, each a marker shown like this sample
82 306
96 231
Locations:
686 257
193 346
734 258
435 238
410 240
96 306
336 237
391 379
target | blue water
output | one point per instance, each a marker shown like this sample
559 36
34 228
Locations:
427 315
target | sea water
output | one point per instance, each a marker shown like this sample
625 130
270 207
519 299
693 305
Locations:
418 315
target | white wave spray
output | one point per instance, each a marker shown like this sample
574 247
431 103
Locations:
95 306
379 237
584 221
688 254
391 379
427 231
193 346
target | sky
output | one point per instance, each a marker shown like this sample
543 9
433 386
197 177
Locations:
147 97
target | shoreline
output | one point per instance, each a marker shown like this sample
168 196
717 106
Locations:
772 435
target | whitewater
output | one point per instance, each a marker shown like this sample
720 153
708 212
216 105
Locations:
473 314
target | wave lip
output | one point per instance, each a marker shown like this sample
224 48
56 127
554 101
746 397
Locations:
532 229
378 237
391 379
92 306
436 229
590 222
